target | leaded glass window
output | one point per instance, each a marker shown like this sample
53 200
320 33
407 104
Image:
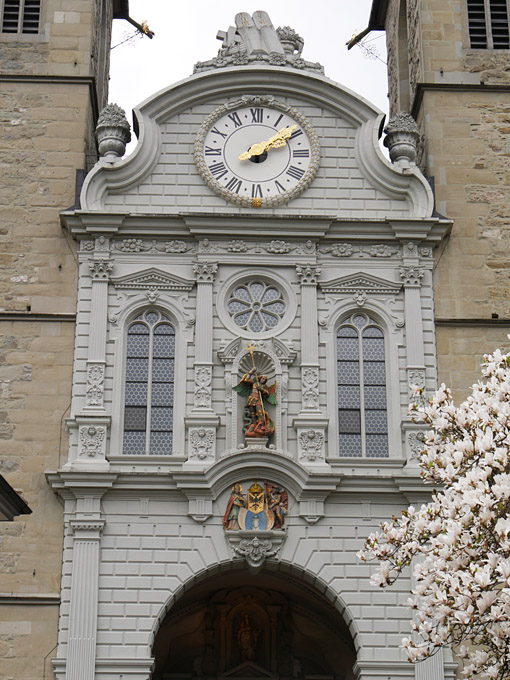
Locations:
488 24
256 306
149 386
362 410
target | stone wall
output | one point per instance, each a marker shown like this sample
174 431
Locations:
465 149
46 135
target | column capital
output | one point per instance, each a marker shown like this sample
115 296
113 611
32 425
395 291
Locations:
205 271
411 276
308 274
100 270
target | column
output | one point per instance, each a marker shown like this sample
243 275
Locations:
87 526
311 423
202 422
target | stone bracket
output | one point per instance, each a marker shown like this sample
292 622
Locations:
255 546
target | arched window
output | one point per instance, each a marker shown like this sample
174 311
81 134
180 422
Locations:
362 410
149 385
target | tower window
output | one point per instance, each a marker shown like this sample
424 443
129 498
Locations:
362 410
488 24
149 386
21 16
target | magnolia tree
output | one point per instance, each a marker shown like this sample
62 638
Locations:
459 543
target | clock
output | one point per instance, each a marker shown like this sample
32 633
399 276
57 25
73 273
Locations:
257 152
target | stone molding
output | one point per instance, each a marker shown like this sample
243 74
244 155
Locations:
153 279
355 284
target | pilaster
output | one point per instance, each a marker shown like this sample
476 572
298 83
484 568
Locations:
202 422
411 275
90 429
311 423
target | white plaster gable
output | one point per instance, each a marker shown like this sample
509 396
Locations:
354 179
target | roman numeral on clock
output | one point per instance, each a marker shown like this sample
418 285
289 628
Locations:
218 170
279 187
217 132
296 133
234 117
234 184
294 172
256 191
257 115
209 151
301 153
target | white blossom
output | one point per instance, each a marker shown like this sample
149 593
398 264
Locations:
462 536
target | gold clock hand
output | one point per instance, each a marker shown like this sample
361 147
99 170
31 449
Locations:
276 142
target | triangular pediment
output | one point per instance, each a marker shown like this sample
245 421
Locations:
153 278
360 282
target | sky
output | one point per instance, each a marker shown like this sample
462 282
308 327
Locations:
185 32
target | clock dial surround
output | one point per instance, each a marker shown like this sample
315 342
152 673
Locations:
279 150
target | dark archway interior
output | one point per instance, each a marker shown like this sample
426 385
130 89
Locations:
243 625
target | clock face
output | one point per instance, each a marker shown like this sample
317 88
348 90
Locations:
257 155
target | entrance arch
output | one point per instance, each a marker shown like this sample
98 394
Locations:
239 624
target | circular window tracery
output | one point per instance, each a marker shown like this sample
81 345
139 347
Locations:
256 306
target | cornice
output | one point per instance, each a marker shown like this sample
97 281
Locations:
373 478
421 88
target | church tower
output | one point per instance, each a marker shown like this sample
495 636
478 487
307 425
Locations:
448 65
54 63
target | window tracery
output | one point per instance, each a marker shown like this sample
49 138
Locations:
149 385
361 380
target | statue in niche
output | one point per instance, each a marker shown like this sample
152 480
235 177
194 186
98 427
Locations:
236 501
247 637
257 423
262 509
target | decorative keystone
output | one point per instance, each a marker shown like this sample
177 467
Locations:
402 137
113 132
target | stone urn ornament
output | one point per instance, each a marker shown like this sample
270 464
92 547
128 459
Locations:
113 132
402 137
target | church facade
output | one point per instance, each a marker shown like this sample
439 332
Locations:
216 415
255 303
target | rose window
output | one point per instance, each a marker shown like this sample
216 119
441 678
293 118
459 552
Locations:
256 306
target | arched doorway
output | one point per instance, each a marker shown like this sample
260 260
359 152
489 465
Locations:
243 625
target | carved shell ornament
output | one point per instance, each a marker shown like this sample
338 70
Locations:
257 152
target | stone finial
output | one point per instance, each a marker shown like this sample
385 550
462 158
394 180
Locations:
113 132
291 41
402 137
254 40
